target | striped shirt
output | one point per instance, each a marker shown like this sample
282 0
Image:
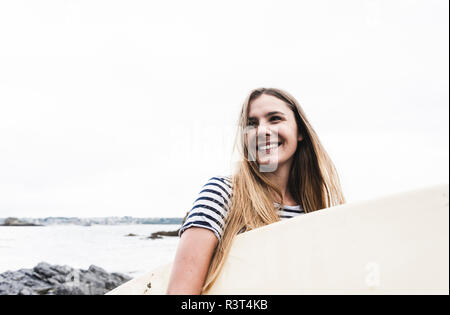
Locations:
209 210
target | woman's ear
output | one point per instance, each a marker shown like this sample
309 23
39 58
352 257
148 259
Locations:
300 137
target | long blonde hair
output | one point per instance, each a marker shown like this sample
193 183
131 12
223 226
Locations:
313 182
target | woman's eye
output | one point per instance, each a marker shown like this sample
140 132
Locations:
273 118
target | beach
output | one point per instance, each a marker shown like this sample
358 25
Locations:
106 246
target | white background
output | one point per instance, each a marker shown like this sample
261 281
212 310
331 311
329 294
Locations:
128 107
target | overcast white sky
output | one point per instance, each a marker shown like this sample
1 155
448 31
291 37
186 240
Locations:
127 107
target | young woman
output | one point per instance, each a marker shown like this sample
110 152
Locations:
284 172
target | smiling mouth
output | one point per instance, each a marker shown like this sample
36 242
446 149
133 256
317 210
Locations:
269 147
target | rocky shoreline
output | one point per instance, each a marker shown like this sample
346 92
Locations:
46 279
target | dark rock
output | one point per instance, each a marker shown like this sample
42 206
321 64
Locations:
17 222
62 270
46 279
157 235
131 234
45 270
68 290
154 236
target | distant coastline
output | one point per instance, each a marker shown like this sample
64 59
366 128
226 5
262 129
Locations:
126 220
17 222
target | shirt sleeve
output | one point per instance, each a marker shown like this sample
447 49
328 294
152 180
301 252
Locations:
210 209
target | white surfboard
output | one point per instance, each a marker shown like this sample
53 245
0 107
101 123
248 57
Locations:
398 244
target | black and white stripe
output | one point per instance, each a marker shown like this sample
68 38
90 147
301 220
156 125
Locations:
209 210
288 212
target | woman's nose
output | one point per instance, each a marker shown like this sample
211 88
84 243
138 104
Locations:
263 128
265 133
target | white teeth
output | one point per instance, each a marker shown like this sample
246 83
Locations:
272 146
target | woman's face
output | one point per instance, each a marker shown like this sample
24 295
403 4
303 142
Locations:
273 130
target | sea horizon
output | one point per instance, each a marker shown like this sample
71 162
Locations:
105 220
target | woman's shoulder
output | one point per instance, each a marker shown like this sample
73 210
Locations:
210 208
225 181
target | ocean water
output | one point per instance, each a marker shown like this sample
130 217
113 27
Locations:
81 246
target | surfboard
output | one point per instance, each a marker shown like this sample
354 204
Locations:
397 244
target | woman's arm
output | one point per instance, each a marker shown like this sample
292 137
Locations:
193 256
